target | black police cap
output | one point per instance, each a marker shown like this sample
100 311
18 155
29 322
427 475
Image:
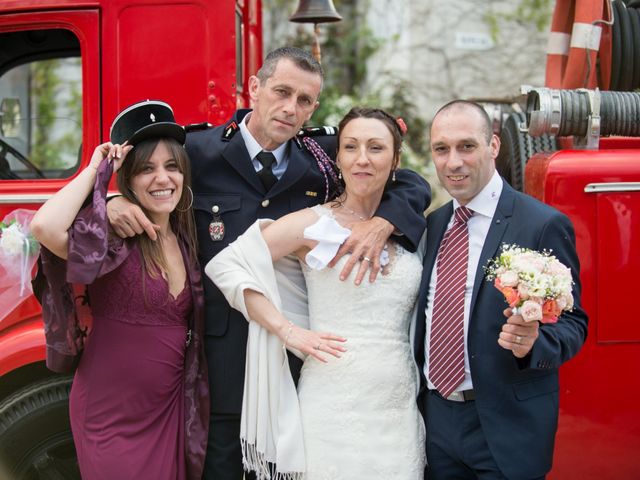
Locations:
144 120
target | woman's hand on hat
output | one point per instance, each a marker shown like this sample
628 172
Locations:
118 154
110 152
99 154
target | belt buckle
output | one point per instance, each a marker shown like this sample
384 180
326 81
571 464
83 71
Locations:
456 397
463 396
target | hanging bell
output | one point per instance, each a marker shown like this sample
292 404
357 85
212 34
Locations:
315 11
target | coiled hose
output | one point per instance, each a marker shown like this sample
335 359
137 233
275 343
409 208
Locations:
566 112
625 46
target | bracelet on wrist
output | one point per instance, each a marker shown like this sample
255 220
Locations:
286 338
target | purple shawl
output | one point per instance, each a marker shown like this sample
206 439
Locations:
61 288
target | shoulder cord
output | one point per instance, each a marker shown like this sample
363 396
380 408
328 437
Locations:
326 166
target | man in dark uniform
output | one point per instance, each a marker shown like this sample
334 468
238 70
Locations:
256 167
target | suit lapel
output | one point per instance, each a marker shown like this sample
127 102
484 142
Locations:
297 167
499 224
236 154
435 233
235 151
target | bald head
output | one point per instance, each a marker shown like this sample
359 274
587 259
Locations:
472 108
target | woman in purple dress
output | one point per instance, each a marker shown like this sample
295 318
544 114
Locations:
139 399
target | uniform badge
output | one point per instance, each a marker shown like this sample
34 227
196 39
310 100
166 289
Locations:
229 131
216 227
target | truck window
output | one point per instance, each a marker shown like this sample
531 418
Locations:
40 105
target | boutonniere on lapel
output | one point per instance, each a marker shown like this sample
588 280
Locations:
535 284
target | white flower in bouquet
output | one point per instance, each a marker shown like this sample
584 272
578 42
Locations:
509 278
18 253
13 241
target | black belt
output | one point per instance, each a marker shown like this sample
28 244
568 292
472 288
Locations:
463 396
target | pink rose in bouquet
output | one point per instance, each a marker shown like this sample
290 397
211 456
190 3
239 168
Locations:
509 278
531 310
535 284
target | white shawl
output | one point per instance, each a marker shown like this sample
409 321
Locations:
271 427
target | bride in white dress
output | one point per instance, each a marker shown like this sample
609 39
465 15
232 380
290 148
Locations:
355 415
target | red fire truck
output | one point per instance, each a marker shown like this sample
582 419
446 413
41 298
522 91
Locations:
68 66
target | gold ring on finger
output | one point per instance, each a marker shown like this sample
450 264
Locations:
518 339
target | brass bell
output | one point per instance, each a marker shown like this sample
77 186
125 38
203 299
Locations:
315 11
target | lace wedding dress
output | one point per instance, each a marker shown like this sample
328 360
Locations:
359 413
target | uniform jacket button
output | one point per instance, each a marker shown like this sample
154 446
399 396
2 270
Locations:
265 202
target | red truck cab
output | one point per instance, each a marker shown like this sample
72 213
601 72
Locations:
67 67
599 428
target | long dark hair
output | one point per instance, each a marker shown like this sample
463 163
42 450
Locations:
181 219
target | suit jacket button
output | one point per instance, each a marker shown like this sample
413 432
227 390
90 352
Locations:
215 209
265 203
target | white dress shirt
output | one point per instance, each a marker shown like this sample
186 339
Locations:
484 207
254 148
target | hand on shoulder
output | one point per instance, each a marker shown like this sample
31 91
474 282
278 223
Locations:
128 220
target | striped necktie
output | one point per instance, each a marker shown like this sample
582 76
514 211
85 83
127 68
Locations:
446 343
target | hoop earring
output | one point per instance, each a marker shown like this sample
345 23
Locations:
190 203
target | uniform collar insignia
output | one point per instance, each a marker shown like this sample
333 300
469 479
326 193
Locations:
229 131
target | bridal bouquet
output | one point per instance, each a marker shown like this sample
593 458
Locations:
18 254
535 284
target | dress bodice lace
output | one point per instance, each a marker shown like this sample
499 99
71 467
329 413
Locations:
118 295
359 412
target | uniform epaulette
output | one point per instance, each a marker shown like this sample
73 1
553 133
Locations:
318 131
194 127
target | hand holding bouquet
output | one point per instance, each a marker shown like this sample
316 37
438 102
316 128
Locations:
535 284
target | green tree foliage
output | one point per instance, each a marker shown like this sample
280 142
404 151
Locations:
56 118
44 83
